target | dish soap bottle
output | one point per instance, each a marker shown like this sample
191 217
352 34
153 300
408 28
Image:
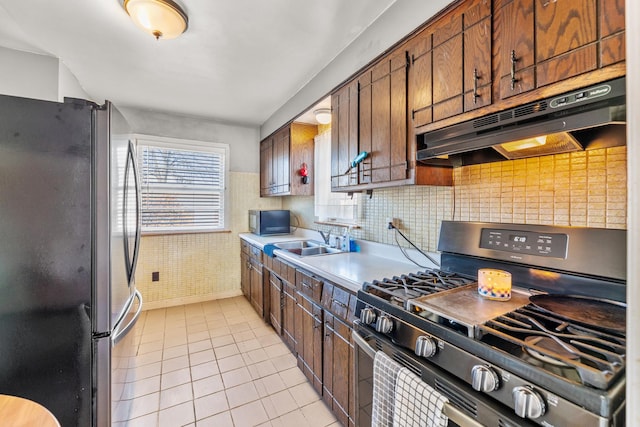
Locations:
346 239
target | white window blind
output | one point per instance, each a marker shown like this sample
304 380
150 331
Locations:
183 186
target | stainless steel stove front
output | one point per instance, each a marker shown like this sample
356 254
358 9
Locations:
520 398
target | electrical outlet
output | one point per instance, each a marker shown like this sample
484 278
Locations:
390 222
155 276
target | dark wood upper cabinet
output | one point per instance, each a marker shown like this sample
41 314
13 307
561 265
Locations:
541 42
281 157
420 83
344 135
514 40
566 32
477 55
383 120
611 20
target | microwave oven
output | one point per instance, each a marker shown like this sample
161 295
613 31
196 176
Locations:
269 222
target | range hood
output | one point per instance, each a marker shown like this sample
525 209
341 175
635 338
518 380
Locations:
592 117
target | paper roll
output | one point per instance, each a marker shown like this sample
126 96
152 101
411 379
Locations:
494 284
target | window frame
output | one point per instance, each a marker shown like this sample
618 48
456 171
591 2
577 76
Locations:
142 140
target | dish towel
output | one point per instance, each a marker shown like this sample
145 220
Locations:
417 404
385 373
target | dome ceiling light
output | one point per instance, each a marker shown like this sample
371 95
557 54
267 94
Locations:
160 18
323 115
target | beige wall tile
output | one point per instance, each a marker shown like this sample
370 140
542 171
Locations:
576 189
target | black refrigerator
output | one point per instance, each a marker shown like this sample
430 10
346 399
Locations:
69 242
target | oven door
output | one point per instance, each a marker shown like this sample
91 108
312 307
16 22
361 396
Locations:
466 407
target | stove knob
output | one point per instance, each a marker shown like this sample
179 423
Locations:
426 346
367 316
484 378
528 403
384 324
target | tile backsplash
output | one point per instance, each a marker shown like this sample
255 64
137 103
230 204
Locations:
579 189
587 188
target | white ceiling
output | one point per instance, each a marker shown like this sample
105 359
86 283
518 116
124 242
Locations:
239 61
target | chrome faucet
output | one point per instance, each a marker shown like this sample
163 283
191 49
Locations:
325 237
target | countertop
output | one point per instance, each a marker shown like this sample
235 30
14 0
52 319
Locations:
348 269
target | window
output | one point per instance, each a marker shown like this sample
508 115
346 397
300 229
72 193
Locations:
183 185
331 207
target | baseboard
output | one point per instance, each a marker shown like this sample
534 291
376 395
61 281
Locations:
152 305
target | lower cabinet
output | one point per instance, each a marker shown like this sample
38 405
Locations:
257 293
314 317
276 299
338 368
309 340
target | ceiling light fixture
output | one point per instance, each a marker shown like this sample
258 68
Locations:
323 115
160 18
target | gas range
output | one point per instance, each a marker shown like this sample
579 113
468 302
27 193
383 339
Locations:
546 367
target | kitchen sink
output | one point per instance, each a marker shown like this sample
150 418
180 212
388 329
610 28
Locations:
307 248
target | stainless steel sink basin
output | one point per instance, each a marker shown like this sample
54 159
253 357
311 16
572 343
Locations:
307 248
299 244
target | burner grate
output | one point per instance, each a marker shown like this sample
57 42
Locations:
598 357
399 289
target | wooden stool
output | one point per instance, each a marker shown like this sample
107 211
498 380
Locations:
18 412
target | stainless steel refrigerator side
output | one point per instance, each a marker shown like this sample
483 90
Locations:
126 302
101 298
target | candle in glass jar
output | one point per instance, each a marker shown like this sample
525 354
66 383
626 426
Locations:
494 284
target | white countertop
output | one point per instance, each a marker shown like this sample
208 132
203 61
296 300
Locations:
348 269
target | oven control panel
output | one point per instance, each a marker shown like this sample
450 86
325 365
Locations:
553 245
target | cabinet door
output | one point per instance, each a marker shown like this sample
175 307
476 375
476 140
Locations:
612 45
566 31
281 165
383 120
420 79
266 167
447 68
276 305
289 315
309 340
477 55
344 135
514 27
245 275
338 391
256 288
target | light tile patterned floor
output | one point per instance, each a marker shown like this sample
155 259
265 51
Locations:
216 364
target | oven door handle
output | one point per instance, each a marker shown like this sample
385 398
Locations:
454 414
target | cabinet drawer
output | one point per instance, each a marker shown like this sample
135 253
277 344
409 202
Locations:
309 285
244 247
338 301
255 253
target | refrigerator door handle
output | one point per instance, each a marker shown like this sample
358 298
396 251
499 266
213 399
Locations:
118 332
138 236
131 259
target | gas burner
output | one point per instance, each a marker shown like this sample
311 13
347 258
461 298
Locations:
540 347
399 289
597 357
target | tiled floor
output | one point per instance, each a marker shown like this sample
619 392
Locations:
216 364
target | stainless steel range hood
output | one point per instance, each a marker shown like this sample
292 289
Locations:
593 117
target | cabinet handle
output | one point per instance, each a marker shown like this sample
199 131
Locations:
306 285
513 69
338 303
475 86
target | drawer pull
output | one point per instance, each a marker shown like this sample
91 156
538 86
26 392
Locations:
338 303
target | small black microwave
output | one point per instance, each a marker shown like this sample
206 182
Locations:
269 222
